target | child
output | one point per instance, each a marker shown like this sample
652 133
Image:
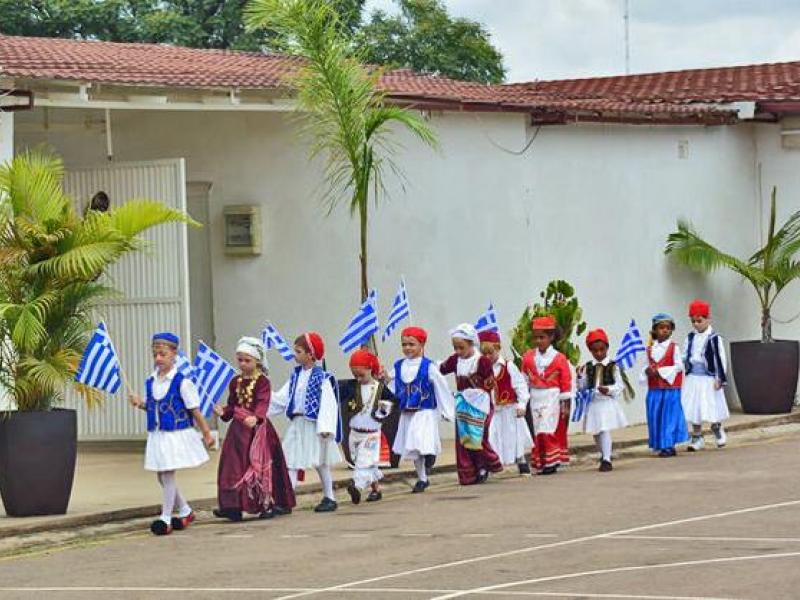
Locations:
666 425
550 382
252 474
423 399
172 406
706 374
508 432
366 403
603 414
309 400
473 371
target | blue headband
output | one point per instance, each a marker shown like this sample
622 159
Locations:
663 318
166 337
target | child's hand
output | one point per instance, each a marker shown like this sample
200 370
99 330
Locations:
650 372
717 384
251 421
581 370
520 413
218 410
136 401
208 440
565 408
325 436
603 390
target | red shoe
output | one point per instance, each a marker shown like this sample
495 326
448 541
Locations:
181 523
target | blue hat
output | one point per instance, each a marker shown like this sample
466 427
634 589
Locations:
663 318
166 338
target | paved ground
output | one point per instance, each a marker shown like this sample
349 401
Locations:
718 524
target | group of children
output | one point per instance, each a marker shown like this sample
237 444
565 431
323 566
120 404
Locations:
501 412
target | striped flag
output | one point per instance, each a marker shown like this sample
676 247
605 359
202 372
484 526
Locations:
631 345
363 325
400 310
211 376
99 366
582 399
487 321
184 365
273 339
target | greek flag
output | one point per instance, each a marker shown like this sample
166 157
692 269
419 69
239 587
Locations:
487 321
273 339
184 365
400 310
582 399
363 325
211 376
99 366
631 345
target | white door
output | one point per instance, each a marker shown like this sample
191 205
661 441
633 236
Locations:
154 285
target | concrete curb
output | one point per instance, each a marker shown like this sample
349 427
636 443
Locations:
392 476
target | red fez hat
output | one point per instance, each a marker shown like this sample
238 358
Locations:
700 308
416 332
489 336
596 335
547 323
365 359
316 344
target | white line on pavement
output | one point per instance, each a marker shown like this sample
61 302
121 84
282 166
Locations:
704 538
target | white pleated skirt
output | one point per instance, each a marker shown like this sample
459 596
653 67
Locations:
305 449
172 450
509 435
701 402
417 434
603 414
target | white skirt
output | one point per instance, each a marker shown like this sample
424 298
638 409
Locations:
304 448
603 414
701 402
171 450
417 434
509 435
365 449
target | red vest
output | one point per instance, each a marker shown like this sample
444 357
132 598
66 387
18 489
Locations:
504 392
668 360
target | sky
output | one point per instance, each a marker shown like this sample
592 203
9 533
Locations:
561 39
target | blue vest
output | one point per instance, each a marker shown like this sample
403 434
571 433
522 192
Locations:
311 402
713 362
417 395
169 413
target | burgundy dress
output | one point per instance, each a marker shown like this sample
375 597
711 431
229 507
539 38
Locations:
470 462
235 459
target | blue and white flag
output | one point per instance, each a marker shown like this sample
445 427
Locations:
400 310
582 399
211 376
487 321
632 344
273 339
184 365
99 366
363 325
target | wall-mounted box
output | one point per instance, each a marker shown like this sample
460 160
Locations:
242 229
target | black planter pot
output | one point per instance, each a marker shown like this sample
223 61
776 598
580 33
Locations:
37 461
766 375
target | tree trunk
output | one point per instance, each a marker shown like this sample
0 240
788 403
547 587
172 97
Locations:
766 326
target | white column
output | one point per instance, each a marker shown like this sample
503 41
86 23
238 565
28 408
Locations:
6 136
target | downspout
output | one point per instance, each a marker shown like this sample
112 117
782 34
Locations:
109 141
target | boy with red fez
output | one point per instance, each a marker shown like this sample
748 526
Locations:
309 400
604 413
473 371
423 399
703 397
550 382
508 432
366 403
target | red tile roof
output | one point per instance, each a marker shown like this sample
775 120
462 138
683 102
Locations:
672 96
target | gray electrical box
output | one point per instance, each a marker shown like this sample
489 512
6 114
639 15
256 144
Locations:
242 229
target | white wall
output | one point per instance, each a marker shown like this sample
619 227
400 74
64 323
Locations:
592 204
6 136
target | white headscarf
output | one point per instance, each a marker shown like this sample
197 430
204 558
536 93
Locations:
465 331
253 347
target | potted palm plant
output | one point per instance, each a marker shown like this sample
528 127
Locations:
52 263
765 371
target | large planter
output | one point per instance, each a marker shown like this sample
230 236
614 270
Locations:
766 375
37 461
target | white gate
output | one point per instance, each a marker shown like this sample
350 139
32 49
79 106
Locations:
154 285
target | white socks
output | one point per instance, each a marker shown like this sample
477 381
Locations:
603 441
324 472
171 496
419 465
293 478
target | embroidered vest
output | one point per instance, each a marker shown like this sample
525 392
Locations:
504 392
417 395
169 413
312 401
606 376
668 360
713 361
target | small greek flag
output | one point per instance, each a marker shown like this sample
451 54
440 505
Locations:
631 345
99 366
582 399
487 321
211 376
400 310
363 325
273 339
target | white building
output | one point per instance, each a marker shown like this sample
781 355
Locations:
580 180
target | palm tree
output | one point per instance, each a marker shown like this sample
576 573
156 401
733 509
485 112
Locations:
344 113
51 266
770 269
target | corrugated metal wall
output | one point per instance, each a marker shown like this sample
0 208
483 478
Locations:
154 286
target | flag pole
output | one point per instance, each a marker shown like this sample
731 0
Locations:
408 302
122 374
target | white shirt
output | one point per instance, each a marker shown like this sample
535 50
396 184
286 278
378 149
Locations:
328 415
409 367
657 352
614 391
517 381
189 395
699 346
544 359
467 366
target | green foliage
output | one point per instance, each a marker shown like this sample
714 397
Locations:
51 266
559 301
769 270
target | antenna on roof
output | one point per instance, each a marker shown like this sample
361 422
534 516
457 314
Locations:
627 18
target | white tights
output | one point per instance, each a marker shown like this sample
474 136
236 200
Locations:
171 496
603 441
419 465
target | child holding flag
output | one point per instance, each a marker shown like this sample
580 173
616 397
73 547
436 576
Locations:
173 406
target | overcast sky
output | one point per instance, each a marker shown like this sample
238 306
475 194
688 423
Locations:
558 39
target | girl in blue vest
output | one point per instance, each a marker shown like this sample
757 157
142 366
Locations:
310 401
173 406
703 395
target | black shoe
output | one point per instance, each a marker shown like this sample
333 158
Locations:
605 466
281 511
181 523
524 468
230 514
374 496
667 453
483 475
420 487
355 493
327 505
158 527
267 514
549 470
